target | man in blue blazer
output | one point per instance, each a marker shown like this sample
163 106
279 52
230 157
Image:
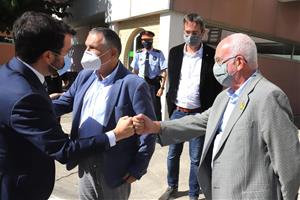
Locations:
30 136
102 93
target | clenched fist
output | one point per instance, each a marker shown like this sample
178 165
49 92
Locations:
124 128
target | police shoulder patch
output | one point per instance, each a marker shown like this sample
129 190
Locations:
156 50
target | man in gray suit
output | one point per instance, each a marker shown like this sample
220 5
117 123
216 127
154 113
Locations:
251 148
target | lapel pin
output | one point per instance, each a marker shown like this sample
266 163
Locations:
242 106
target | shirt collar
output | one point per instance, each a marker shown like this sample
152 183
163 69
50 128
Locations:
38 74
234 95
149 51
108 80
198 53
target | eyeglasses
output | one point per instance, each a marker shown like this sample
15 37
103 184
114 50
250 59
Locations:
220 62
191 32
70 52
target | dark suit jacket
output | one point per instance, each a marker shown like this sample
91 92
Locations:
209 86
31 138
128 96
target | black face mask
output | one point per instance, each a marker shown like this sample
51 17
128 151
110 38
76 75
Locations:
147 44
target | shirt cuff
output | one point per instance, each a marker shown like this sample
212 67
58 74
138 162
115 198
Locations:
111 137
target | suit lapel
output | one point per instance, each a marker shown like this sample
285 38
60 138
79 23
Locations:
114 92
211 132
204 65
17 65
238 110
77 108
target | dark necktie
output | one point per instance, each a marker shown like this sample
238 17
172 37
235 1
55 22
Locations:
45 86
147 65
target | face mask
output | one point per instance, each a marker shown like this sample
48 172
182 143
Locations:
192 40
147 44
91 61
222 75
68 63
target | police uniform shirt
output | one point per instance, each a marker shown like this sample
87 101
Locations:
157 63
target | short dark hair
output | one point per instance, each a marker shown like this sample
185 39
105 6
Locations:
150 33
35 32
111 37
194 17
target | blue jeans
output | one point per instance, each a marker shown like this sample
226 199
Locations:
175 150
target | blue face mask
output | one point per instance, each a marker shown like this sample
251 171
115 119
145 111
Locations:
192 40
222 75
147 44
68 63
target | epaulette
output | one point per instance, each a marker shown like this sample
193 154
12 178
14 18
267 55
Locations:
156 50
139 50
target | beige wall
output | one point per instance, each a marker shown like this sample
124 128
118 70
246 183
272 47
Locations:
263 17
127 30
124 9
286 75
7 52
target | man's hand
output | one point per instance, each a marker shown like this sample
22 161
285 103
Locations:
129 179
144 124
124 128
54 96
160 92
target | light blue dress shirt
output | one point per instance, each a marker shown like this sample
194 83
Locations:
95 101
233 99
157 63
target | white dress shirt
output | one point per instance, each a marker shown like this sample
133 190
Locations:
189 82
38 74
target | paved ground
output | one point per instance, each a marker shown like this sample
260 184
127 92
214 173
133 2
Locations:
150 187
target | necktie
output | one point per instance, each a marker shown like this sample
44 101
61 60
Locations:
147 65
45 86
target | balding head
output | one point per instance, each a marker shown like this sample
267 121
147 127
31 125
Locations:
241 44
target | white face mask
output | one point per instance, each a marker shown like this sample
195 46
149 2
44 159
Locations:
92 61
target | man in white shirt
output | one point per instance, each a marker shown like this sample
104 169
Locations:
192 89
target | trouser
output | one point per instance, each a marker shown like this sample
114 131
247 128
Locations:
154 85
92 185
173 161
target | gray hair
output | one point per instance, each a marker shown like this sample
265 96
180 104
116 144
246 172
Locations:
194 17
111 38
242 44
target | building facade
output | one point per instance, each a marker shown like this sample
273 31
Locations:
273 24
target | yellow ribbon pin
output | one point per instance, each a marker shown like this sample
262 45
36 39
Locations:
242 106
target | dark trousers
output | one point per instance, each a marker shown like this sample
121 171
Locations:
154 85
173 161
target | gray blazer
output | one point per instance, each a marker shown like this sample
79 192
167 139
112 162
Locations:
259 153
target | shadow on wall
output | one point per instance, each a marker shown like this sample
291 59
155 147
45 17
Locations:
7 52
285 74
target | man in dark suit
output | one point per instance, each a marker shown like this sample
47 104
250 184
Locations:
30 136
102 93
192 89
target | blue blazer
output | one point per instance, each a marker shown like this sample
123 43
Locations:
31 138
129 96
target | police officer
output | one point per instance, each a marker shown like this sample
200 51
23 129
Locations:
150 64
